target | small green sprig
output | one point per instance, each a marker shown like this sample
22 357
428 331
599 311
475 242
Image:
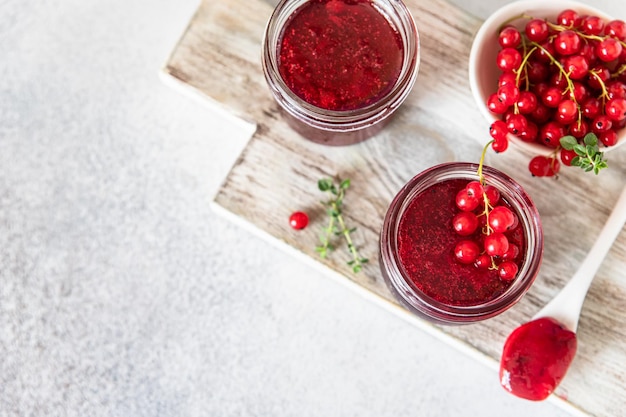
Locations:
588 156
336 223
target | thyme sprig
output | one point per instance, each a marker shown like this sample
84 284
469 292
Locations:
336 224
588 156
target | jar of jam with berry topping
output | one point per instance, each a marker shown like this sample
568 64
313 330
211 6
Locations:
460 244
340 68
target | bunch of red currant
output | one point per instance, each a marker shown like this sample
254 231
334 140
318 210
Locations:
489 229
561 78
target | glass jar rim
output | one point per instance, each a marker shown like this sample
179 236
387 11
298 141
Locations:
424 304
398 16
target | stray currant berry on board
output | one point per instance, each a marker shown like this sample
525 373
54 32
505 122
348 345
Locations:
298 220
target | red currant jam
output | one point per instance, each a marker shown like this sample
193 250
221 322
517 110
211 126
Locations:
536 357
340 54
426 249
450 259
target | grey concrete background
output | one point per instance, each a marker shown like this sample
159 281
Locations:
123 294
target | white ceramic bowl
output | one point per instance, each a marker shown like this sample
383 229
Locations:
483 72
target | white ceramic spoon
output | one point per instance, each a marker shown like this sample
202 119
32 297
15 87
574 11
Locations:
565 307
537 354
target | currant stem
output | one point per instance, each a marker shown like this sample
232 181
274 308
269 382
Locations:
334 210
481 177
356 259
605 94
570 83
328 231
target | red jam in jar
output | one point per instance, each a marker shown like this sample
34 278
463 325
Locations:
418 244
339 69
426 242
536 357
340 54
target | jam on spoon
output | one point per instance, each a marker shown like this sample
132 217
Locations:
537 355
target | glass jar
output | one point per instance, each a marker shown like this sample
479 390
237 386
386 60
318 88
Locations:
404 282
341 126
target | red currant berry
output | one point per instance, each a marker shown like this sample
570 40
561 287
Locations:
615 109
493 195
553 168
616 29
568 18
567 42
566 112
540 88
298 220
592 25
507 270
475 189
616 89
498 130
608 49
527 102
608 138
600 124
580 93
465 202
598 76
516 123
530 134
618 125
512 253
576 66
551 133
466 251
545 53
539 166
541 114
509 37
537 71
588 50
508 94
559 80
465 223
496 244
501 219
500 145
591 108
483 261
509 59
567 156
507 78
537 30
552 97
496 105
579 129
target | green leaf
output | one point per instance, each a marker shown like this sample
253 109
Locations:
576 161
345 184
568 142
325 184
590 139
580 150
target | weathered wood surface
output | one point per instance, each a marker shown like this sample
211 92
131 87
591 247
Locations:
219 57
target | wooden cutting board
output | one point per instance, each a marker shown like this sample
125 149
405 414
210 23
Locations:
218 58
